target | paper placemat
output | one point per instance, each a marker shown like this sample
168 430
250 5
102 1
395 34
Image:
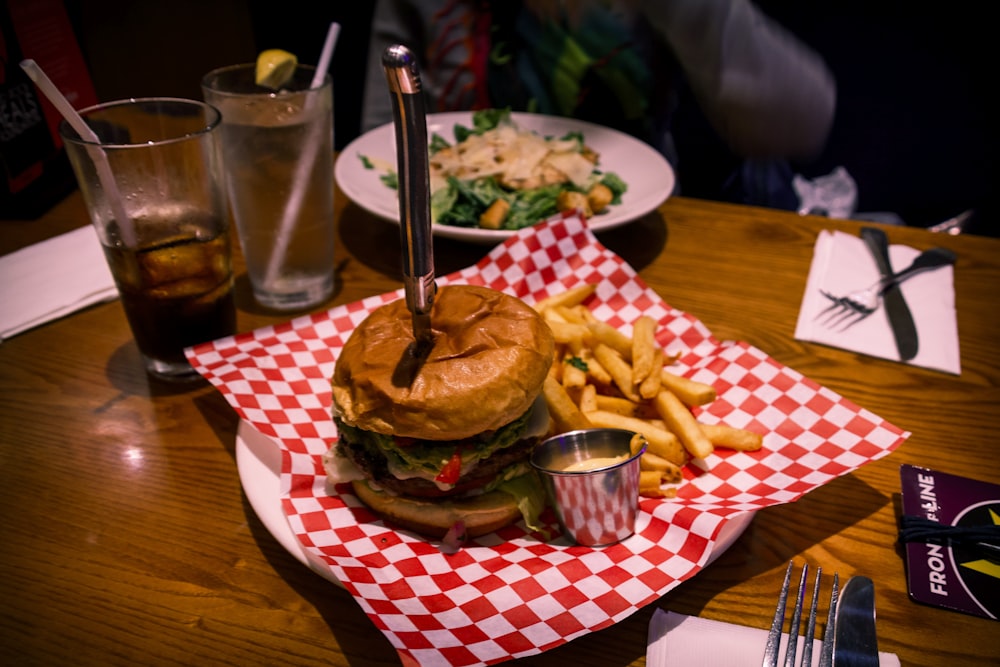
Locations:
509 594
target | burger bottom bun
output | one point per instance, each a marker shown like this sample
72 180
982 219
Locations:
481 514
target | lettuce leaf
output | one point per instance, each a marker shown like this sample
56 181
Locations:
531 498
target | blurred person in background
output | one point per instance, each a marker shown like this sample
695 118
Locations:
625 64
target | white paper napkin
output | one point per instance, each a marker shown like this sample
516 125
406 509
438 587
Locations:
676 640
48 280
841 264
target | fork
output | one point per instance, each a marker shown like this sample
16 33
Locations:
773 646
850 309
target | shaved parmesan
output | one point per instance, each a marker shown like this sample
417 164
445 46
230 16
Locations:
578 169
519 159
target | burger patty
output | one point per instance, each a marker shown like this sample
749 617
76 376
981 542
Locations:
373 464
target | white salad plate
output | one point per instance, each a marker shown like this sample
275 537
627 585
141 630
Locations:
258 460
648 175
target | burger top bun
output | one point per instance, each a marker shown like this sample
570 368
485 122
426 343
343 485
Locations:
490 355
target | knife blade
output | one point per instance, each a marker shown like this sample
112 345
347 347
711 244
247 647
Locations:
410 121
904 330
855 643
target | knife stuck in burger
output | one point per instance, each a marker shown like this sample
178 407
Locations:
437 397
410 123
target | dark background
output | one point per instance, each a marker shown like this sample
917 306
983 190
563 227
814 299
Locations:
156 47
913 124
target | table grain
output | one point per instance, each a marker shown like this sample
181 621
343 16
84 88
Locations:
129 540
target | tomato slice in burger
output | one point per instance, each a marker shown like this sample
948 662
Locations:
452 469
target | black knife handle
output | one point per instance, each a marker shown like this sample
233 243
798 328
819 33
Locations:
878 243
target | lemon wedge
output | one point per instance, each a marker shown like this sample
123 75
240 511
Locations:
275 67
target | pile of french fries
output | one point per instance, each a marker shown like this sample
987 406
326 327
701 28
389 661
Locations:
602 378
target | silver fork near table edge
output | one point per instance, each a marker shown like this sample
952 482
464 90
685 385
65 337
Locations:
772 649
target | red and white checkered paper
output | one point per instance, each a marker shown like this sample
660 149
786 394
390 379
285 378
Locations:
513 594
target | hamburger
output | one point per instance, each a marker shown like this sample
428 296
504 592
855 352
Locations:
440 442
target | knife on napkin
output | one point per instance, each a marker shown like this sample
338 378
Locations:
900 319
855 643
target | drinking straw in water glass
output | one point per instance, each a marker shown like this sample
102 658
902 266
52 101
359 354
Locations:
305 164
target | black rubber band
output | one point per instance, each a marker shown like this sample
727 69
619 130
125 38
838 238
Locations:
919 529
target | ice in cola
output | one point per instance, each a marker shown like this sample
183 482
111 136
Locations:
176 289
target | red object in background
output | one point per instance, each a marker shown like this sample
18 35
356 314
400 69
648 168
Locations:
34 171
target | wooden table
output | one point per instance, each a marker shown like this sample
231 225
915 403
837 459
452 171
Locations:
128 538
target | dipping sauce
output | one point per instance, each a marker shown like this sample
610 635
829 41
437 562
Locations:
591 477
595 463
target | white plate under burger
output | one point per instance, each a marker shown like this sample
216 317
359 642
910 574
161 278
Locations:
258 459
648 175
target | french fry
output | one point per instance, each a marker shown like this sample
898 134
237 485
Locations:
573 375
569 313
588 398
618 405
671 474
627 408
650 461
682 423
670 448
650 484
637 443
595 370
570 297
613 338
652 384
690 392
564 412
618 368
585 314
550 315
577 348
733 438
644 348
658 441
568 333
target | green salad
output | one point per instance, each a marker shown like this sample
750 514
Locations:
495 175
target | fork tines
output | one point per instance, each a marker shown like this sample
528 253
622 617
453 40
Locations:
772 649
842 311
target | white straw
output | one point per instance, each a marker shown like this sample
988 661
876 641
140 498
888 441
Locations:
326 54
305 166
104 174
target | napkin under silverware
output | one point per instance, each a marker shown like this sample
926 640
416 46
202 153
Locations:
841 264
677 640
51 279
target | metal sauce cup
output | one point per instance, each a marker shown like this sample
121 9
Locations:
597 506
